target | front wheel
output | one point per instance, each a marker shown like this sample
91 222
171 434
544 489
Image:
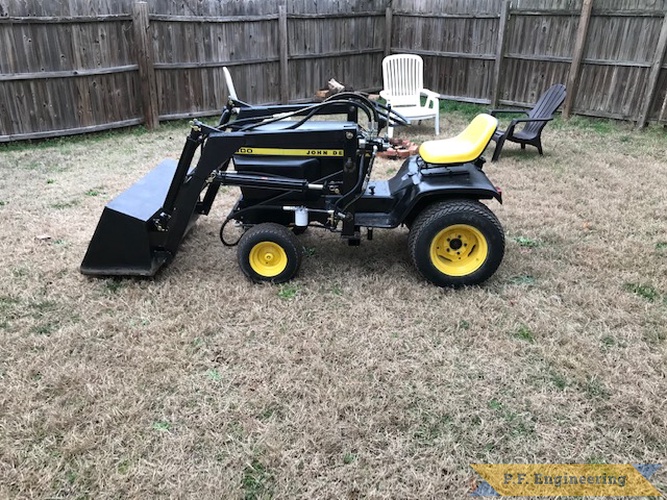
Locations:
269 252
456 243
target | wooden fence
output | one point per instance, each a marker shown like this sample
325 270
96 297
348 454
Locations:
81 66
84 65
610 53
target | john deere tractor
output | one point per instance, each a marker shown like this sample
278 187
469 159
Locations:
309 165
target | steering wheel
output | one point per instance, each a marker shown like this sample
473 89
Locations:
382 114
363 103
227 110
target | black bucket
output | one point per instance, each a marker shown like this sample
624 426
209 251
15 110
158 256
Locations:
126 242
141 229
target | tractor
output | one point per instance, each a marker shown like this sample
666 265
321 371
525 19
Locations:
302 166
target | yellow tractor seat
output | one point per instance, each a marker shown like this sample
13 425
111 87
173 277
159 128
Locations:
467 146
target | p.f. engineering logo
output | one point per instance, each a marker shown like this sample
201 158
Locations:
577 480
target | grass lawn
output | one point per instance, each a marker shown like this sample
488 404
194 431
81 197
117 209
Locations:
356 380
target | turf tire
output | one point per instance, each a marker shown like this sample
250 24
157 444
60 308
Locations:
486 238
269 252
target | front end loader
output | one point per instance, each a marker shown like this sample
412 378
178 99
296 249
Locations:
309 165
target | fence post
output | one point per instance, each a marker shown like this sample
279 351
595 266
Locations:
652 82
388 19
144 50
284 41
575 67
500 52
663 109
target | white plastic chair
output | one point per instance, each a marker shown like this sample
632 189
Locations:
403 81
231 91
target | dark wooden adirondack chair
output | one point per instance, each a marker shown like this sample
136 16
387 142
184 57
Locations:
536 119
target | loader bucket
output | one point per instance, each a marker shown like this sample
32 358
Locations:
141 229
123 243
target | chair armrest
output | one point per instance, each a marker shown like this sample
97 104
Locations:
516 121
386 95
526 120
494 112
431 98
429 93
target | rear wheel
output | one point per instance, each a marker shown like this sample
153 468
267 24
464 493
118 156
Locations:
269 252
456 243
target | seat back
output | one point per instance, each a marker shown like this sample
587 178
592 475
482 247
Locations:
467 146
479 132
545 107
231 91
403 78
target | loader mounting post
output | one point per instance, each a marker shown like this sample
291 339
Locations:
191 144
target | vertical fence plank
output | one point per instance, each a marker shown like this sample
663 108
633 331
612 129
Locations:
500 51
387 30
652 83
144 50
577 56
284 43
663 110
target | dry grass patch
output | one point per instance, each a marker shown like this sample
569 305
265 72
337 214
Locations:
357 379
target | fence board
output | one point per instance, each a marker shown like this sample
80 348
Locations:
39 106
349 49
72 65
89 8
431 7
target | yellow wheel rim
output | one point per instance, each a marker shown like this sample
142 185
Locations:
268 259
459 250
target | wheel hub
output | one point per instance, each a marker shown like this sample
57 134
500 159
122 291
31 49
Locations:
459 250
268 258
455 244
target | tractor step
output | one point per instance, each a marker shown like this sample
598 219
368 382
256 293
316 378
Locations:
375 219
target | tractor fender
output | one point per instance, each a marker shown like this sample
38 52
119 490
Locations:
416 188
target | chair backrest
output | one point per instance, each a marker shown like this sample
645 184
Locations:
403 78
549 102
545 107
231 91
